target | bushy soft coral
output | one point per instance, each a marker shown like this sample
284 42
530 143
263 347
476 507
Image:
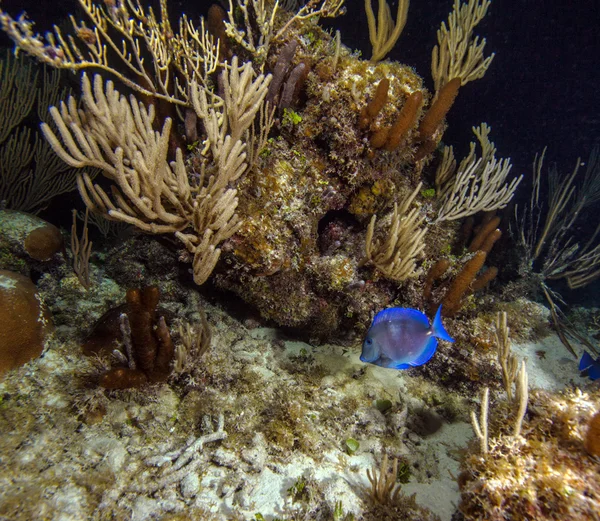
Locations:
544 475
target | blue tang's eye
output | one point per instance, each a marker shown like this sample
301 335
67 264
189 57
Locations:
368 341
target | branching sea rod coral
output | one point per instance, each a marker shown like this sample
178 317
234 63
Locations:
546 474
116 135
457 55
479 184
396 255
385 33
132 34
551 236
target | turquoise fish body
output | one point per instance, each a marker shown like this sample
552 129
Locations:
400 338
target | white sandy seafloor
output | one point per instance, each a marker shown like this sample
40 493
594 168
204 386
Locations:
144 460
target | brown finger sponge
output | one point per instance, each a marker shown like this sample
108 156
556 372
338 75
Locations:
25 321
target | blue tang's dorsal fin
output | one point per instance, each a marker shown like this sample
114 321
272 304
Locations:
392 314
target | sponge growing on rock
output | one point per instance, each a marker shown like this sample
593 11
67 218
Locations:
25 321
29 237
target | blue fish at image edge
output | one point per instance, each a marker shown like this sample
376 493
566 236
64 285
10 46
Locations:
592 366
400 338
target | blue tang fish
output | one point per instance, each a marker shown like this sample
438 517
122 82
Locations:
401 338
592 366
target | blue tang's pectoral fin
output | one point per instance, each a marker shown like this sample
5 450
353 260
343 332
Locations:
396 365
438 328
384 361
427 353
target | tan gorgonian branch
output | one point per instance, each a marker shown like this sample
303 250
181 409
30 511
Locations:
383 484
553 237
477 187
561 193
259 133
510 375
81 249
226 122
522 397
232 115
197 55
446 171
337 42
116 135
508 361
194 340
458 54
313 9
256 15
148 50
396 254
384 33
481 426
585 268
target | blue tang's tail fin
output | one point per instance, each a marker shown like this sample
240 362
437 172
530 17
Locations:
438 329
592 366
586 361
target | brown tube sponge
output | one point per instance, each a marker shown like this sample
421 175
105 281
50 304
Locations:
368 114
405 121
380 137
425 148
452 301
216 27
484 279
490 240
142 310
438 110
435 272
592 437
482 234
